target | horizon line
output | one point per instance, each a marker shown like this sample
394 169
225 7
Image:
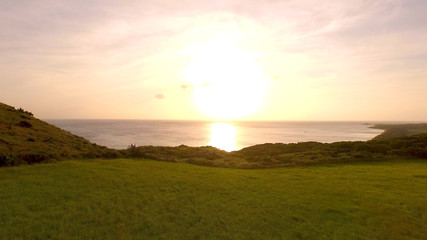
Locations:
236 120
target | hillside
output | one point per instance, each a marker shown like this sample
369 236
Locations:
26 139
399 130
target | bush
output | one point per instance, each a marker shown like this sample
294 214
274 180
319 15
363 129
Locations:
26 112
132 150
24 124
25 117
35 158
112 154
200 162
7 160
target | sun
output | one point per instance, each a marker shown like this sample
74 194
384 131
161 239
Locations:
228 82
223 136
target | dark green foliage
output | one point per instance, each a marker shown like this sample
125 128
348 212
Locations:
280 154
7 159
25 117
24 124
279 148
26 112
201 162
35 157
27 140
172 154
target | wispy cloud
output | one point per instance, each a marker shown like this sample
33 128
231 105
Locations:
159 96
76 49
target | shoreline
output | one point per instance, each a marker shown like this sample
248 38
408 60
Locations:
399 130
28 140
120 134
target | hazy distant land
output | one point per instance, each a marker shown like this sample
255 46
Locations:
400 130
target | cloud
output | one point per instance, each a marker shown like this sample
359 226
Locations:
189 86
72 49
159 96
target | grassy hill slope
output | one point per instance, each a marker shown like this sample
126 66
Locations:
26 139
142 199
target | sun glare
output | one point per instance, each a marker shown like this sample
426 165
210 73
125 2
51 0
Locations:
228 82
223 136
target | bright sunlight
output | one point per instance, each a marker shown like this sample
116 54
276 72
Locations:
228 82
223 136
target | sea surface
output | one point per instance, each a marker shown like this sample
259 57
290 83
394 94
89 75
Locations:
228 136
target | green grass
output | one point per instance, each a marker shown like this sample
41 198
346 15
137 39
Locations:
143 199
26 139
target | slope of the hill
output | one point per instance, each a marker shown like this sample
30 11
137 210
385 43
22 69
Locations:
26 139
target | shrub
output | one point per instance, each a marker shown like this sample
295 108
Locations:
132 150
7 160
111 154
200 162
25 117
26 112
24 124
35 158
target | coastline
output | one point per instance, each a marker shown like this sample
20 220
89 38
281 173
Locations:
120 134
399 130
28 140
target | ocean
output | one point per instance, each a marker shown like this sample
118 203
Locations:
229 136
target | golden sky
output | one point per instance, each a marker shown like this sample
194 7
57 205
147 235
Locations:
251 60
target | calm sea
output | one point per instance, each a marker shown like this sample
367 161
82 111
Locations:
229 136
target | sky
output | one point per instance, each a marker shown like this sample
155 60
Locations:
347 60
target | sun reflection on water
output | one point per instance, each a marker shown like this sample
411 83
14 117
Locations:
223 136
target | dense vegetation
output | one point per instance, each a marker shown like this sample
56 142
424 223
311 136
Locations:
279 154
143 199
25 139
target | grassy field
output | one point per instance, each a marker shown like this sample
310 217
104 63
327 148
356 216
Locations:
143 199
